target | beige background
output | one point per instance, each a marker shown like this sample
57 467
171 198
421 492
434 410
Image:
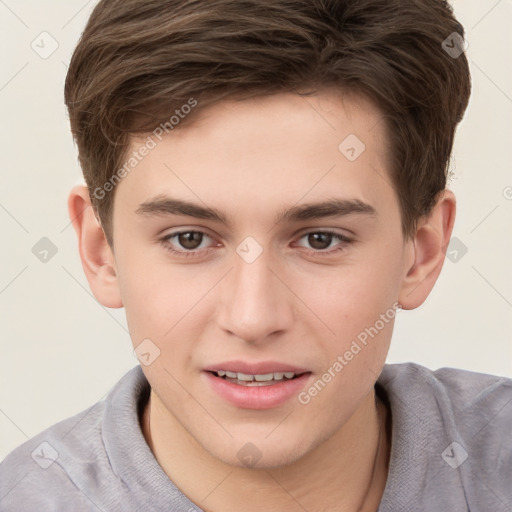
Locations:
61 351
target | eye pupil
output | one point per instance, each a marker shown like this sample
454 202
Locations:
318 240
190 239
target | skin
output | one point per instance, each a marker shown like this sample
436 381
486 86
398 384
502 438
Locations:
251 160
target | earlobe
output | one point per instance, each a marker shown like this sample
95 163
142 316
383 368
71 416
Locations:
429 246
97 257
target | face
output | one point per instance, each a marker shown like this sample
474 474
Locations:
262 241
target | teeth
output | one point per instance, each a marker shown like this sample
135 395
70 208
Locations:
245 377
266 377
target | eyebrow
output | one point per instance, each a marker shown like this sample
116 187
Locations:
336 207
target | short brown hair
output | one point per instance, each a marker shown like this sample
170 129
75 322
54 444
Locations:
139 60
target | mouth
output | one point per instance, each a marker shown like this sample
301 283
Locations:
262 379
256 385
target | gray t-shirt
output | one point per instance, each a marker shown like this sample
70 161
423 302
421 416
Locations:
451 450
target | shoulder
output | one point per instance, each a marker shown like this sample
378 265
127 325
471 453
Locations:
466 396
41 464
68 466
462 422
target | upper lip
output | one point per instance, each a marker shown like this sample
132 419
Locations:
259 368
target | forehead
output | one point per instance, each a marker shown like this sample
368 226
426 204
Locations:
273 120
266 152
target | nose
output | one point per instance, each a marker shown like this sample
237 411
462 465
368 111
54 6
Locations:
254 302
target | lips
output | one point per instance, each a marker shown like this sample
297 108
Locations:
259 385
263 373
266 379
259 368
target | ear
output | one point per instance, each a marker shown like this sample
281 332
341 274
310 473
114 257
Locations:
97 257
429 247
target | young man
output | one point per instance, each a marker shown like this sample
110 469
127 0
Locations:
265 191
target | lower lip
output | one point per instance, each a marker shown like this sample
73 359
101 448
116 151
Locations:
257 397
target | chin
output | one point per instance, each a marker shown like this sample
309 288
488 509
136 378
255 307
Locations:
261 452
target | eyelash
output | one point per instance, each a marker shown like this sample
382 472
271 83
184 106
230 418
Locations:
194 253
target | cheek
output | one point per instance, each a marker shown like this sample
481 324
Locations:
360 307
358 304
353 296
165 304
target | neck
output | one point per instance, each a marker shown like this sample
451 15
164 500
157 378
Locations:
346 472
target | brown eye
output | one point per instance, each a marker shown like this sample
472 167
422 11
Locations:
190 239
319 241
189 244
324 243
